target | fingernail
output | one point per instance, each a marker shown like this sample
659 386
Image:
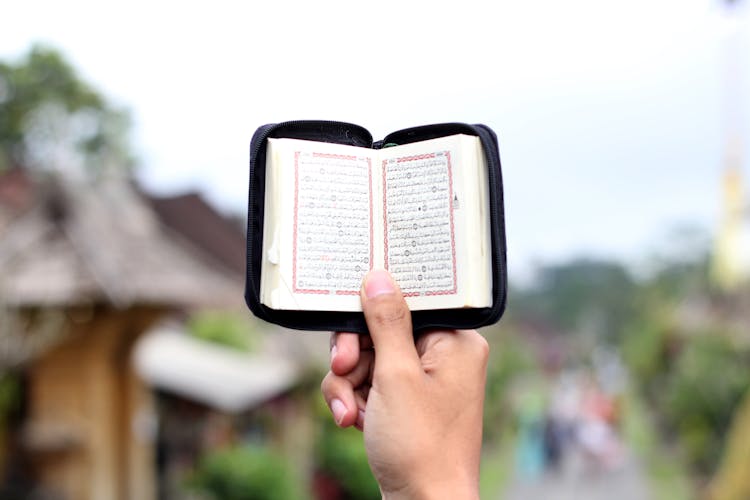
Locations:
339 410
378 282
334 351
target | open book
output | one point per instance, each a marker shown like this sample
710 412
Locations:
333 212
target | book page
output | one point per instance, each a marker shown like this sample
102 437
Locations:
322 225
334 212
420 241
478 230
434 221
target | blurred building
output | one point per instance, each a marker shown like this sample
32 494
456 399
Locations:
731 258
86 269
731 263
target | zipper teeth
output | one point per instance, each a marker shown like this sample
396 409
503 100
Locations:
298 124
496 202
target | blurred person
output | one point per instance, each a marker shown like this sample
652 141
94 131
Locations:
419 403
596 435
554 441
563 410
529 407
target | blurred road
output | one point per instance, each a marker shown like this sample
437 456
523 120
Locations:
578 480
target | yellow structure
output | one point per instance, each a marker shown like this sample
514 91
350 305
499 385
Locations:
730 262
732 481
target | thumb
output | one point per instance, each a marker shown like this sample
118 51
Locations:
389 321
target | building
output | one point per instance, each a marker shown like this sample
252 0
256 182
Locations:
86 269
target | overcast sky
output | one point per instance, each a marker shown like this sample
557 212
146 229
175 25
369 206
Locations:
609 114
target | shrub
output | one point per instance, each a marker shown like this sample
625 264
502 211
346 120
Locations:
703 390
510 358
340 455
646 348
246 473
223 328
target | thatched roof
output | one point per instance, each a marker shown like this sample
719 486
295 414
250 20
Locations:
216 376
190 215
64 243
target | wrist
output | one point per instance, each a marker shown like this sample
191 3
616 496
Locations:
453 488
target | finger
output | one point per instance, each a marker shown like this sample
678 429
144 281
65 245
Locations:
343 394
360 395
436 349
346 404
365 342
475 346
389 321
344 352
360 423
445 351
427 340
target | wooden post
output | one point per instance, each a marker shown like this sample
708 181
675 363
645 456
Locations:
89 414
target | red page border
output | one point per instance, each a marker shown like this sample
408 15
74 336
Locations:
295 288
450 208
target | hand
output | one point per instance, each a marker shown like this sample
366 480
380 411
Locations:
420 405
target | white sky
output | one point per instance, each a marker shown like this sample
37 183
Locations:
609 113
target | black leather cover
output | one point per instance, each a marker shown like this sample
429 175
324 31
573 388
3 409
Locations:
354 135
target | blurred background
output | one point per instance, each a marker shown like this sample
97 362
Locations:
129 366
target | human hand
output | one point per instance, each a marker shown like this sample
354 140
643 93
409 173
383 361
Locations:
419 405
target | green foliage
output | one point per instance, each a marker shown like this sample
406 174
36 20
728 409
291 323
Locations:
645 349
693 379
224 328
340 455
246 473
679 267
704 389
674 280
10 394
49 114
509 358
668 475
694 384
581 292
10 402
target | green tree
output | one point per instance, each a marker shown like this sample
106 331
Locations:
510 360
580 293
704 388
225 328
51 118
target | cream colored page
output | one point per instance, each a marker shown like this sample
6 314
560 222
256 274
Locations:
269 276
428 245
477 224
324 225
